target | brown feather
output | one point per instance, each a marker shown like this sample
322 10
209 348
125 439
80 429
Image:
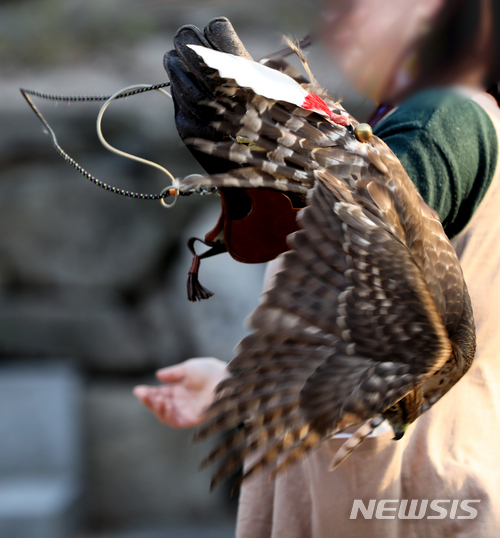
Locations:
369 309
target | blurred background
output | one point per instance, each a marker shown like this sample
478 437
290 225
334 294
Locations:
92 285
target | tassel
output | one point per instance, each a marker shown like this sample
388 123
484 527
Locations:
196 292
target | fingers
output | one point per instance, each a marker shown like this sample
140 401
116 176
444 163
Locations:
191 117
190 35
172 374
157 401
220 33
184 83
145 395
193 85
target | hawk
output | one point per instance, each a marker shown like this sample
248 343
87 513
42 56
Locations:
369 317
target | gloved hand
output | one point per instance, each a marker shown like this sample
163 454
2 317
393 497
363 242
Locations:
193 84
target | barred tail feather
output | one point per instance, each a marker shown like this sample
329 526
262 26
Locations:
354 441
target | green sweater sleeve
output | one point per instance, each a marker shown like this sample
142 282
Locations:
448 146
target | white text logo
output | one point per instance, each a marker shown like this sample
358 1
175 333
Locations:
414 509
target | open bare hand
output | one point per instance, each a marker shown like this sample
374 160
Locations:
188 391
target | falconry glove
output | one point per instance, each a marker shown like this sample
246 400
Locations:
253 225
193 84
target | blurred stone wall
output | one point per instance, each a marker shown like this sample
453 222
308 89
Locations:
99 278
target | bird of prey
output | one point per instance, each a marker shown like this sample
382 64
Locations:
369 317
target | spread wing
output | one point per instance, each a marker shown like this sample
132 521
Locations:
362 311
348 328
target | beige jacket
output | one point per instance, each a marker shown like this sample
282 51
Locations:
451 454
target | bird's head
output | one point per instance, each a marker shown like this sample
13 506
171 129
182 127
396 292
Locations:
401 414
397 418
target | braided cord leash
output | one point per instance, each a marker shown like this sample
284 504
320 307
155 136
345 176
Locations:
176 189
173 190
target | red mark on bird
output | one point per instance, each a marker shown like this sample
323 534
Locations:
316 104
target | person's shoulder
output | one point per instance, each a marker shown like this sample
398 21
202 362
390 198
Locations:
440 112
448 145
433 100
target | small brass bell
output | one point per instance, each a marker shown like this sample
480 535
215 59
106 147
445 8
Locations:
363 132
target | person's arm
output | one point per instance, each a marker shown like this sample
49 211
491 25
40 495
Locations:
448 146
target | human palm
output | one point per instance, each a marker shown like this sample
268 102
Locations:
188 390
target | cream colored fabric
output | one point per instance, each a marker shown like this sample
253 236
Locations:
451 453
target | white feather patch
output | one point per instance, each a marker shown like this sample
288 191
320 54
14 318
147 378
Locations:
262 80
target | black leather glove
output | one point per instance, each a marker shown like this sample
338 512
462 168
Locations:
193 84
